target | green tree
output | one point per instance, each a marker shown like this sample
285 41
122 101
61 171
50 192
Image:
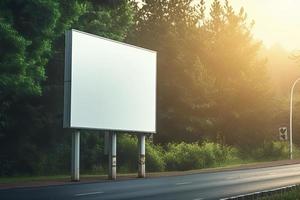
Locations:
243 101
210 76
171 28
31 77
27 32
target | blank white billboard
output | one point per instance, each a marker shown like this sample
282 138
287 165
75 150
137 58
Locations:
108 85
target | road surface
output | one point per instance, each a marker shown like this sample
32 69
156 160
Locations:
188 187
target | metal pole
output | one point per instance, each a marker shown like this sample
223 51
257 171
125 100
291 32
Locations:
72 157
113 156
141 162
75 156
291 119
109 153
106 142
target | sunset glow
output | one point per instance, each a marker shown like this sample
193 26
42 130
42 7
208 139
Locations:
276 21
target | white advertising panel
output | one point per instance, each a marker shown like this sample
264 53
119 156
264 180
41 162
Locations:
108 85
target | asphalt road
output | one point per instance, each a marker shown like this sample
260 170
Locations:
188 187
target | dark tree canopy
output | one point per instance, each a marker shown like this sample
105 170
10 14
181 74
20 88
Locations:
31 78
210 76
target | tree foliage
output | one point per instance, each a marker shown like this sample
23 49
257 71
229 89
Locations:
171 28
243 100
210 77
31 79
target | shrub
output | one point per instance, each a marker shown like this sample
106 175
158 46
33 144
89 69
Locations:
91 153
127 154
185 156
217 155
155 161
274 150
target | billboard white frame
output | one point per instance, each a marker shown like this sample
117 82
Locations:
134 81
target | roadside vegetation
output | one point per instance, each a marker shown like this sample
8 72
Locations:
170 157
291 195
198 155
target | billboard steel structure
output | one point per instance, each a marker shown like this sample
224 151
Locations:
110 86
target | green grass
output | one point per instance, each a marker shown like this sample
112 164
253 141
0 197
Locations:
28 179
20 179
292 195
174 157
103 175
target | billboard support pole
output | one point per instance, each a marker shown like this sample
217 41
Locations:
106 142
141 161
112 156
75 156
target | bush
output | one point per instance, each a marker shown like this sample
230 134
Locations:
174 156
57 161
155 161
127 154
92 158
274 150
185 156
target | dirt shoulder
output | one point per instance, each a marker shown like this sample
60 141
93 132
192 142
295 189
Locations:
10 183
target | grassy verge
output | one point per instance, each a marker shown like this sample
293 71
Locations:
45 180
292 195
24 179
50 178
173 157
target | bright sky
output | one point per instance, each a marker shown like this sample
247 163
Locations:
276 21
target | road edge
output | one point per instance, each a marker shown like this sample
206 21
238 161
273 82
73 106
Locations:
133 176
